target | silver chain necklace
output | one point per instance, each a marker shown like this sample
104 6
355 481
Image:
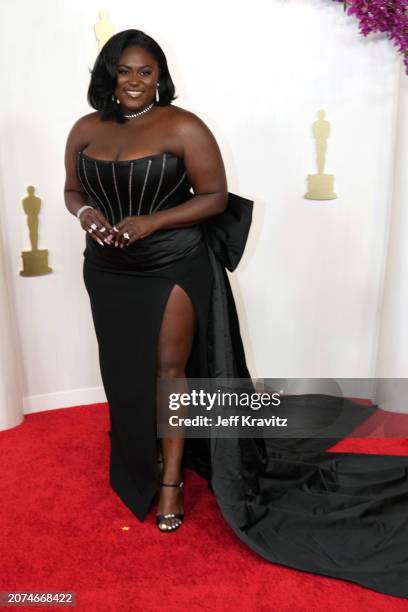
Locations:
142 112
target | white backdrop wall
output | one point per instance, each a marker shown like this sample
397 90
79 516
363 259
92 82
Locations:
309 288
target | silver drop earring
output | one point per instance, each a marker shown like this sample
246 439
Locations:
157 93
113 99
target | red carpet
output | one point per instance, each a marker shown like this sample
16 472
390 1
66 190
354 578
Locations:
62 531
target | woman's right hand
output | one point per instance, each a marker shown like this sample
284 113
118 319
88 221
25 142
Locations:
98 227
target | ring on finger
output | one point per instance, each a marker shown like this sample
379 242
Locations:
126 235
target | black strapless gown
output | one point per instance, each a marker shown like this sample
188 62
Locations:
343 515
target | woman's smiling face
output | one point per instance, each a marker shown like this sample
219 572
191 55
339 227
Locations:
137 76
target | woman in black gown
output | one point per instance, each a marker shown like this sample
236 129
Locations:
147 182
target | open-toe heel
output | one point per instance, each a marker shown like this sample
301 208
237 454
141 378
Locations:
161 518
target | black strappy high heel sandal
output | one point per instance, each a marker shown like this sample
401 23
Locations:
161 518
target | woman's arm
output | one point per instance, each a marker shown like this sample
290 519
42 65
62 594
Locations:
74 195
206 174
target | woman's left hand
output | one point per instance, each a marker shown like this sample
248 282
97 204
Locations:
136 227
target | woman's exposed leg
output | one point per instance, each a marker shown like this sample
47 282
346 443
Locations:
175 342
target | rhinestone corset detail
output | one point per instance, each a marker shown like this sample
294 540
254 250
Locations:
139 186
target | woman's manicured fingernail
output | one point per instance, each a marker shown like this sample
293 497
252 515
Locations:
100 241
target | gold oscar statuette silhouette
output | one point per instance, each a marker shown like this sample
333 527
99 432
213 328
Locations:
320 186
103 29
35 262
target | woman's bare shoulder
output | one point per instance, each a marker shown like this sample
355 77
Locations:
87 121
186 121
82 130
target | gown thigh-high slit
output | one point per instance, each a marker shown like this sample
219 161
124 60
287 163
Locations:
343 515
128 329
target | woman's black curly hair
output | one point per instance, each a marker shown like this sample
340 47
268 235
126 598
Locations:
104 73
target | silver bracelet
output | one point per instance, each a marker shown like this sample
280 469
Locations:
82 209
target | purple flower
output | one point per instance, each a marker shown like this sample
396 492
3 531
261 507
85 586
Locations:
387 16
